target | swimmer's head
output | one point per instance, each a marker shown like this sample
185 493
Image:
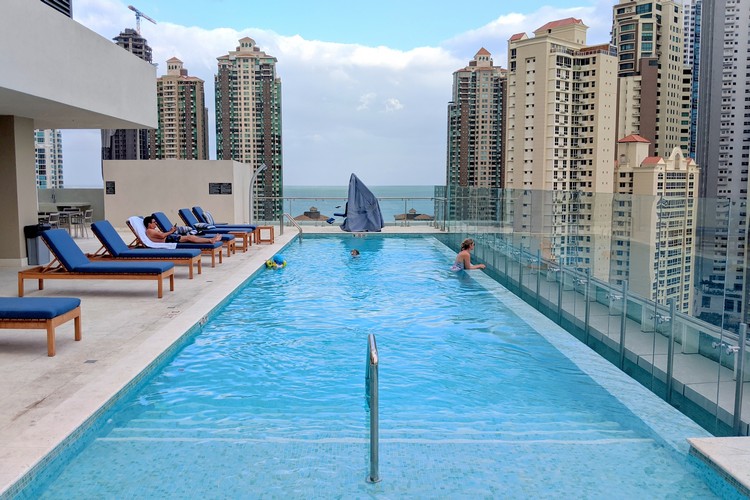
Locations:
355 253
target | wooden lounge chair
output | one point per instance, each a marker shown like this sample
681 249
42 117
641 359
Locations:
244 234
113 247
44 313
165 224
203 217
141 240
71 263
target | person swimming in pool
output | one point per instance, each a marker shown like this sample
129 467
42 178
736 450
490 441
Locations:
354 253
463 259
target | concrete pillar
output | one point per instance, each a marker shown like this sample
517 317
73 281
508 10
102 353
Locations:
18 203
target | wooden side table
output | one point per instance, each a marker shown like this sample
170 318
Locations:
264 234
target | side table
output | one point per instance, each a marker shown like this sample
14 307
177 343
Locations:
264 234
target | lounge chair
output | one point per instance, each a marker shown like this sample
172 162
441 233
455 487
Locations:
141 240
165 225
113 247
71 263
203 217
244 234
45 313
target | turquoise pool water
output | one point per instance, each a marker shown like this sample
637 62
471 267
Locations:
268 400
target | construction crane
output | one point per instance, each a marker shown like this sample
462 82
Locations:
138 16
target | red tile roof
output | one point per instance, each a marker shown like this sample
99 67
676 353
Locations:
634 138
562 22
483 52
652 160
517 36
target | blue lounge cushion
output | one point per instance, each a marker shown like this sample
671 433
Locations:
108 236
119 267
118 248
206 217
36 307
65 249
74 260
159 253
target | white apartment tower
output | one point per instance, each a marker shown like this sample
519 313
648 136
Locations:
654 87
560 129
655 216
49 158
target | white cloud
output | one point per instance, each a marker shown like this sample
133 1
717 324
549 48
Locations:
365 101
393 104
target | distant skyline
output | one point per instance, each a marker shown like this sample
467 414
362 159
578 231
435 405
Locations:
365 87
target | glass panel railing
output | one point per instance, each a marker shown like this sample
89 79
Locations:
655 284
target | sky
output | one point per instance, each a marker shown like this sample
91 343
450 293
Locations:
365 85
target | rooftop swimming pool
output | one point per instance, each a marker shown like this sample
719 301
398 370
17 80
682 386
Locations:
480 396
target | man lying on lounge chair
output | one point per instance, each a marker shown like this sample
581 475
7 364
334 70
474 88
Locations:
157 236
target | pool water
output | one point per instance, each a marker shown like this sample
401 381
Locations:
268 400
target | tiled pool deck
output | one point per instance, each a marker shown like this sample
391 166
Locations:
125 327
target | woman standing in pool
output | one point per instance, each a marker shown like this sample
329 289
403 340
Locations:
463 259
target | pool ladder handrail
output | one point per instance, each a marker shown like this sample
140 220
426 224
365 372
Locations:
294 223
371 394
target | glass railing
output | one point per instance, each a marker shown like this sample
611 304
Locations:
654 284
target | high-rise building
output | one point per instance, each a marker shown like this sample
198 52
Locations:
248 120
183 131
654 215
128 144
560 131
475 134
723 151
653 91
691 10
49 158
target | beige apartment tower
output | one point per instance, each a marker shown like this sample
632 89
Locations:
654 224
475 135
654 84
248 120
560 129
183 127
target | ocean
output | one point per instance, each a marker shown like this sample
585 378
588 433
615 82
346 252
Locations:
393 200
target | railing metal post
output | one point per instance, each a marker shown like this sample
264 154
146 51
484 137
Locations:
623 322
561 279
371 391
740 380
670 350
538 276
588 305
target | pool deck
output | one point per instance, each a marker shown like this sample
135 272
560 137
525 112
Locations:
125 327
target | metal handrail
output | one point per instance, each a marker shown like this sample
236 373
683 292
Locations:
294 223
371 394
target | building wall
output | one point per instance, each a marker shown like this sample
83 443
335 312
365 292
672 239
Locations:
81 69
142 187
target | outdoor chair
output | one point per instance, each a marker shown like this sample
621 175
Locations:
113 247
244 234
141 240
71 263
45 313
